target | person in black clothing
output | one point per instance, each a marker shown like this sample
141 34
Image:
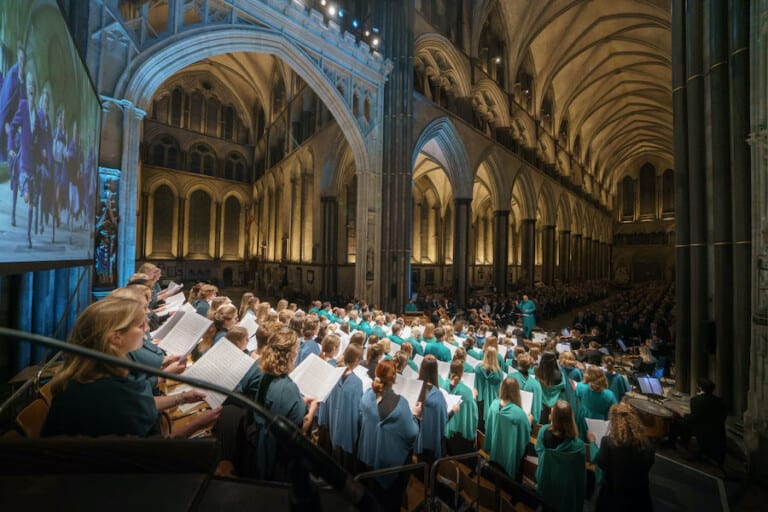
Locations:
706 421
626 458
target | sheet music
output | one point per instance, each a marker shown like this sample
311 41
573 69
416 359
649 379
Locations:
450 400
408 389
468 379
418 359
563 347
443 369
188 308
410 373
599 428
249 324
526 401
472 361
173 288
172 304
405 332
362 372
169 324
452 348
184 336
393 348
224 364
502 349
316 378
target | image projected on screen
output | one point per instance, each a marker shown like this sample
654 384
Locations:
49 115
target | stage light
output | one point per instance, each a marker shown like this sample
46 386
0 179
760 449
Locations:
375 42
341 13
355 23
497 60
375 30
322 2
367 33
332 10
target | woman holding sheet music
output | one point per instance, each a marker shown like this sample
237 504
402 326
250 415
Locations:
343 405
488 377
388 431
626 458
434 416
528 383
507 429
461 429
95 399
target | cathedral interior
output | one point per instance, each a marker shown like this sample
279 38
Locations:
381 149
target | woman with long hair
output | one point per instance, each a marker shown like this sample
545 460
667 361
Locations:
616 381
248 304
434 416
461 429
488 377
561 472
529 383
93 398
507 429
593 394
224 319
626 458
344 410
388 432
552 381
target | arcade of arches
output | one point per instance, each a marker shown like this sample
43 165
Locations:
449 144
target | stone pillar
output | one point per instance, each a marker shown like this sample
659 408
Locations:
682 213
586 258
500 249
329 208
462 211
741 180
576 258
528 251
129 190
396 20
217 226
548 254
697 188
182 229
721 181
145 220
564 248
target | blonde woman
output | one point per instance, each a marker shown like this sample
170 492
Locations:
488 377
92 398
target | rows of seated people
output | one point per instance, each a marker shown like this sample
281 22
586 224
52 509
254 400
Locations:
364 423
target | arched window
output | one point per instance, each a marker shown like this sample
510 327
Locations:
235 167
196 112
668 194
164 152
162 229
231 228
647 192
524 85
177 99
160 110
228 123
199 235
202 160
627 199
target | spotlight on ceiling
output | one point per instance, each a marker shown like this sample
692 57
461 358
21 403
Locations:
367 33
497 60
341 13
331 10
375 42
322 2
355 23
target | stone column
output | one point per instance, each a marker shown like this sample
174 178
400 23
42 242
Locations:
145 220
181 215
462 208
129 190
528 251
741 180
576 258
396 20
721 181
548 254
586 258
329 207
697 188
217 226
500 249
565 256
682 213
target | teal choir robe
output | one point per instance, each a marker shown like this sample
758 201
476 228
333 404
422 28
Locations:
618 384
487 385
434 417
283 399
595 403
150 355
386 442
463 422
307 347
120 406
561 474
527 308
530 384
395 339
343 405
507 432
418 348
573 373
439 350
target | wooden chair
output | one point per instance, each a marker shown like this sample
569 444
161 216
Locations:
32 417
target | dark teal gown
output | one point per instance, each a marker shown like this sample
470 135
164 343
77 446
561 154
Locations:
487 384
150 355
343 405
463 422
561 473
507 432
122 406
439 350
618 384
530 384
434 417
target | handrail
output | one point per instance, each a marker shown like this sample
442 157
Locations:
503 476
398 469
433 477
286 433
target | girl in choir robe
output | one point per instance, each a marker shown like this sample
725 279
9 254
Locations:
407 347
224 319
248 305
92 398
493 341
275 390
434 414
203 302
469 346
388 432
625 458
617 383
593 394
568 362
428 336
488 377
461 429
343 405
529 383
372 358
328 350
461 356
552 381
507 429
561 472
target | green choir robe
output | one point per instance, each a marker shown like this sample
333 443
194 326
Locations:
465 421
618 384
561 474
507 432
487 385
530 384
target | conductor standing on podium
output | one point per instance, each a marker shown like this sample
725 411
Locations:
527 308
